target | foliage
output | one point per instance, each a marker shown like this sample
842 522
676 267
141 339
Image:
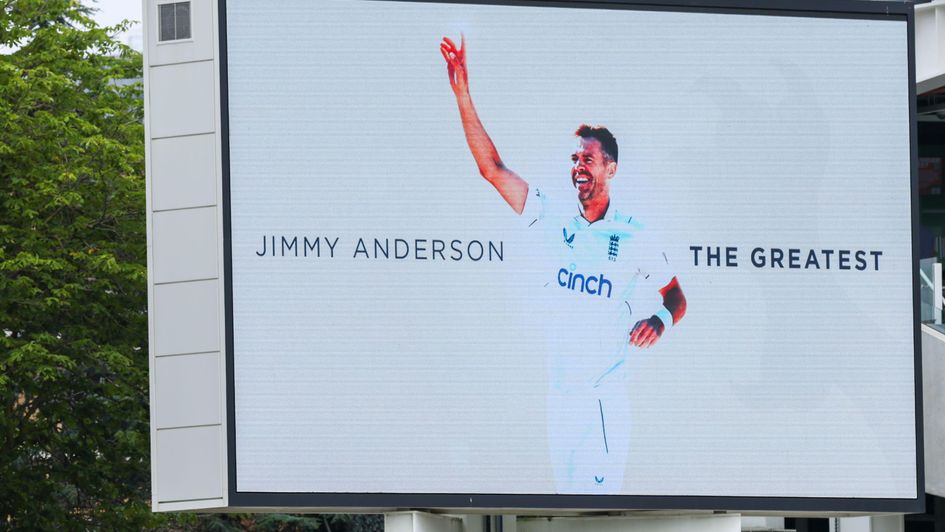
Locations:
73 325
367 523
291 523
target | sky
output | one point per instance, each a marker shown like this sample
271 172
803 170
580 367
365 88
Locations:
111 12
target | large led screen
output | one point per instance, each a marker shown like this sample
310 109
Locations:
487 249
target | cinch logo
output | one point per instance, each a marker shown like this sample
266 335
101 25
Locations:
591 284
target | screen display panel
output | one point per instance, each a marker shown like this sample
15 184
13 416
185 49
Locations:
522 250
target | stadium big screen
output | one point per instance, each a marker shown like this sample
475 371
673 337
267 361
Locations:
573 256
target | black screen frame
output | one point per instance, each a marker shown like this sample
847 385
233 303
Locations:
536 503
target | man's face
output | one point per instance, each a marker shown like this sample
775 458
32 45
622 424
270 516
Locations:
591 170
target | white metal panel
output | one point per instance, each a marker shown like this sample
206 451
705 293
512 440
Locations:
188 391
182 101
663 523
210 505
191 463
762 523
933 405
930 45
221 297
185 245
183 172
186 318
850 524
221 332
926 53
198 47
149 205
421 522
937 292
887 523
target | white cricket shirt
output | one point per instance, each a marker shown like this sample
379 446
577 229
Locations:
597 280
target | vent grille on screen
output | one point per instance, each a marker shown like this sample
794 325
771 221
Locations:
174 21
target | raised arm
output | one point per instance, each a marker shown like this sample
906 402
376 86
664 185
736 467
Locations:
511 187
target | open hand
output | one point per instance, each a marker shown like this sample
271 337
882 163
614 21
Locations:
456 64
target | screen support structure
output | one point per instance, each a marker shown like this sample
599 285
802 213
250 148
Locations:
251 499
413 521
428 522
190 295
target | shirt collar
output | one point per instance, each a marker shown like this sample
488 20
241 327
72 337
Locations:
610 215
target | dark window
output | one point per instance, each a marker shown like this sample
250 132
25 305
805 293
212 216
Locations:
174 21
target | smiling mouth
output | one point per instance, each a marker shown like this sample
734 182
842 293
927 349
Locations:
581 180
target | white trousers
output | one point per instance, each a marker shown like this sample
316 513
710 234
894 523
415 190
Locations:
589 435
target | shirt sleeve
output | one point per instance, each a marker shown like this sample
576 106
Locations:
536 207
653 273
662 270
656 263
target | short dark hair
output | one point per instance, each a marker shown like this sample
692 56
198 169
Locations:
603 135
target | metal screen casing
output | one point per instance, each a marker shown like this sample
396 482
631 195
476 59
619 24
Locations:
368 380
